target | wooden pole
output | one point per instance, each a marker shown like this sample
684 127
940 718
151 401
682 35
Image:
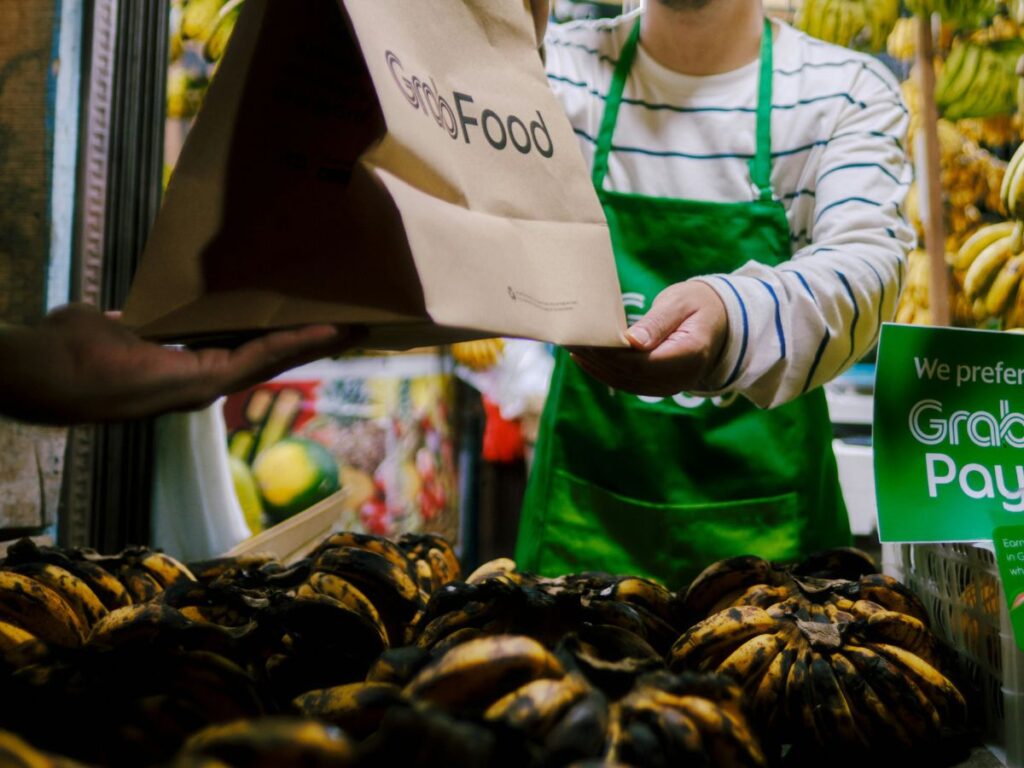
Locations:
929 168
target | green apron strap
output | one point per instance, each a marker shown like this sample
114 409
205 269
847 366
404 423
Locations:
761 163
611 107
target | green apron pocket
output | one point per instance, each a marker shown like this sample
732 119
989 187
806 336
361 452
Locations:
589 528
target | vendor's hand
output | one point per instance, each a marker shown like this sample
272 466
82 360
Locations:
79 365
541 11
675 345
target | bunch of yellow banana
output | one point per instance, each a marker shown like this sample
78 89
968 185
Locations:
979 79
988 267
902 40
863 24
968 13
478 355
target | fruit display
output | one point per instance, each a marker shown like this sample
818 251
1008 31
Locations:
377 652
979 79
964 12
478 355
864 24
377 426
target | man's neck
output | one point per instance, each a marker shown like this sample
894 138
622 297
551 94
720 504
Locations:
722 36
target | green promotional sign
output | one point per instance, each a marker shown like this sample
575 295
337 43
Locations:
1009 541
948 433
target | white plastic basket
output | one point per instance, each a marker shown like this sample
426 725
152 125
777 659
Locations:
960 586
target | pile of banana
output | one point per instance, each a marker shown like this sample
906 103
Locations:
864 24
829 653
970 13
979 79
207 23
372 652
480 354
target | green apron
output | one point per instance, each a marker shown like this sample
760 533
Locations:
665 486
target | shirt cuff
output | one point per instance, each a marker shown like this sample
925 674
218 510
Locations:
725 372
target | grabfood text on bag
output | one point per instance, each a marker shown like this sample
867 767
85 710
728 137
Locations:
467 120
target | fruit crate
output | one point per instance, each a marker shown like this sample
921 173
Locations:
961 588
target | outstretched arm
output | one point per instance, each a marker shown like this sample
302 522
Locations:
79 365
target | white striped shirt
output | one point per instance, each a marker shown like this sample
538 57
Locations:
838 166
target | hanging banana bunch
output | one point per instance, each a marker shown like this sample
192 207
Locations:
864 24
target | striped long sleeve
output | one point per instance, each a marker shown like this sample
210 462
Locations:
839 168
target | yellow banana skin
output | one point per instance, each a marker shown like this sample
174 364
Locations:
39 610
980 240
1004 286
984 268
12 636
477 669
903 699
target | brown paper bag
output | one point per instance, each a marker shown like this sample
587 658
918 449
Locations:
396 164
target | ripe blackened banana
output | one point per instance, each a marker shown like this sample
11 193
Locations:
273 741
394 593
12 636
139 583
441 567
940 691
76 593
834 722
752 657
491 569
764 595
768 698
104 584
726 737
902 630
645 593
580 732
475 672
875 724
165 570
346 593
419 544
357 708
890 593
902 697
725 576
474 614
535 706
720 633
136 624
398 665
376 544
39 610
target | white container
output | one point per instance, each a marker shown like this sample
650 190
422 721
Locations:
857 480
960 586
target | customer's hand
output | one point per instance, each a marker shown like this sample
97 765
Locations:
675 345
79 365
